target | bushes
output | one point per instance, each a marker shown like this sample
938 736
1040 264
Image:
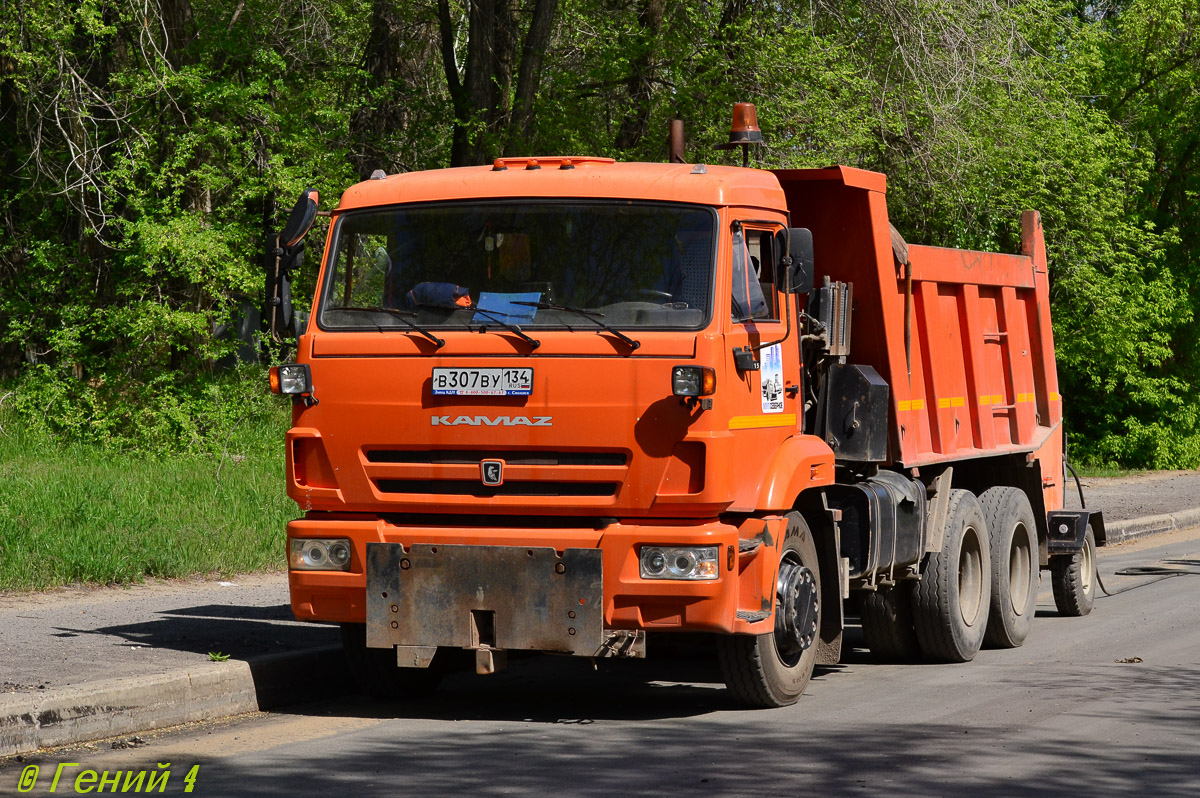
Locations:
170 414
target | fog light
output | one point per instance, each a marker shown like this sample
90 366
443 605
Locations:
316 554
693 381
291 378
691 563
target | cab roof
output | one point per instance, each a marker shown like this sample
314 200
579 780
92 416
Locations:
574 177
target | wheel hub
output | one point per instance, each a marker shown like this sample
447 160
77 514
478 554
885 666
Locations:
796 609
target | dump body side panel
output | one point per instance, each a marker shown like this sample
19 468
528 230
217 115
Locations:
975 375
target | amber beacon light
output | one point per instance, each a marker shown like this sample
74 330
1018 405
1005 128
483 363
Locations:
744 130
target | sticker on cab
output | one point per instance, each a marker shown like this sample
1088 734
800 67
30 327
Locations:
772 379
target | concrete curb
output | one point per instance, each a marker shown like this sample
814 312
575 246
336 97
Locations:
1122 531
114 707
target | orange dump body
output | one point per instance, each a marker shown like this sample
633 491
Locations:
977 376
601 454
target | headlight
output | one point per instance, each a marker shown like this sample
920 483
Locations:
693 381
691 563
291 378
317 554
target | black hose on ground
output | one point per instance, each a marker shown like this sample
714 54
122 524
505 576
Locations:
1161 571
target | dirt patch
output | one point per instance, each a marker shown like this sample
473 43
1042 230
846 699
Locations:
1139 495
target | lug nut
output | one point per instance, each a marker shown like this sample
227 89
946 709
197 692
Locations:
395 625
571 630
559 568
571 613
395 608
404 564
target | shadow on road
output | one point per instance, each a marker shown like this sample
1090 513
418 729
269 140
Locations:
239 631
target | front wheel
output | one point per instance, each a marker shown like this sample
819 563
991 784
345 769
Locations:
1074 579
772 669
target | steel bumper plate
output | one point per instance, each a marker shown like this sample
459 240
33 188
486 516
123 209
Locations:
506 597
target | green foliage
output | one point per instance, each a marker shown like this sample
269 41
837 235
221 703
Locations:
150 150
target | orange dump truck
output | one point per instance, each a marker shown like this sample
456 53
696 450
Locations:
560 404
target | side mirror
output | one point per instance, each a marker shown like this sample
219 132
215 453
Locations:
301 219
803 263
285 253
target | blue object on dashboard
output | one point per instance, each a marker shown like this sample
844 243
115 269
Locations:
503 307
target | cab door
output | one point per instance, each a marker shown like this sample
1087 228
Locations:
762 385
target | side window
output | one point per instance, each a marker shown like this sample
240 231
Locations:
753 274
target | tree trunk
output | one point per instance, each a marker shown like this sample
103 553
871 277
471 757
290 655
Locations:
537 38
641 79
484 117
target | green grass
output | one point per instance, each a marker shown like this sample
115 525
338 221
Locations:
1106 470
82 513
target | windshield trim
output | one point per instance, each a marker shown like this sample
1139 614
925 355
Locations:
340 217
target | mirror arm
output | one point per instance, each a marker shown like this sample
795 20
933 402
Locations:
274 300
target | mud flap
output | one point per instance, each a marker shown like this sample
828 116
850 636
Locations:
492 597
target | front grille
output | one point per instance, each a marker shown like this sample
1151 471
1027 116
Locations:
447 487
472 456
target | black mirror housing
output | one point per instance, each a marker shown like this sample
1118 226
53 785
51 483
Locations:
803 263
304 213
285 255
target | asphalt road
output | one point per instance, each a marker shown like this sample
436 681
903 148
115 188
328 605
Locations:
1103 705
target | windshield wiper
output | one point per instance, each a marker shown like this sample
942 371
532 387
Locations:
512 328
399 314
590 315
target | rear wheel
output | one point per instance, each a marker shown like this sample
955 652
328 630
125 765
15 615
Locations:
1074 579
951 602
1015 568
376 671
772 669
888 626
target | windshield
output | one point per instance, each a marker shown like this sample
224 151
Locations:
529 264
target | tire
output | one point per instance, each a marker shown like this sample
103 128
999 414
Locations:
1015 565
772 669
888 625
952 600
1074 579
376 671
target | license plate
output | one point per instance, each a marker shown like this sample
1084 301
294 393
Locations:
482 382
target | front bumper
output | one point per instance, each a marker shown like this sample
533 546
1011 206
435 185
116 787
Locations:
624 600
500 597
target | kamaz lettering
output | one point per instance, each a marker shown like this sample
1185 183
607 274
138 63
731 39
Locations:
498 421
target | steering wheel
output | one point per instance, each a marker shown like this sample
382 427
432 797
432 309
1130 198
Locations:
656 294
